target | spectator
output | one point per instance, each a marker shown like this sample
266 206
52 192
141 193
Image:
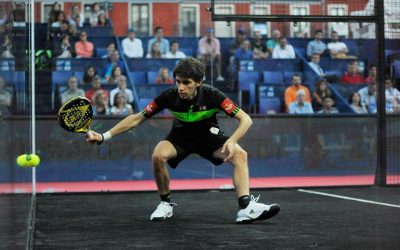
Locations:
53 14
84 48
368 97
6 48
327 106
392 96
120 107
155 51
290 92
57 24
274 41
283 50
320 93
100 100
352 75
338 49
164 77
123 90
72 90
237 42
314 65
317 46
132 46
116 72
158 37
89 75
96 85
174 51
59 27
64 48
210 50
72 17
114 61
5 99
94 15
371 74
244 52
356 105
300 105
259 48
103 21
110 49
17 16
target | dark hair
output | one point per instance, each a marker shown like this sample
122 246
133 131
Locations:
156 29
318 90
351 98
317 31
371 66
116 97
86 77
173 42
189 68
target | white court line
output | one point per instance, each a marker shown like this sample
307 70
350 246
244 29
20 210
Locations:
348 198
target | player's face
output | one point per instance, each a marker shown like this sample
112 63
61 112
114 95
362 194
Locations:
187 88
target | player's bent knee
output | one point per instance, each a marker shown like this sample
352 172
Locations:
159 159
240 156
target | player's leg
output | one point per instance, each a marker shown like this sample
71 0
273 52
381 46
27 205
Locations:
249 209
161 154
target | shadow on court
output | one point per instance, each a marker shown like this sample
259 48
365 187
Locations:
205 220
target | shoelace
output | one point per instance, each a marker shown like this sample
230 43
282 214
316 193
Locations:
255 199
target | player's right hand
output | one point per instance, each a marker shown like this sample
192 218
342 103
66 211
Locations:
93 137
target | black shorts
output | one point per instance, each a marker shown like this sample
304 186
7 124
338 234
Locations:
203 144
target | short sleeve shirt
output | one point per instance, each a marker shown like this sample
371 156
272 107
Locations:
197 115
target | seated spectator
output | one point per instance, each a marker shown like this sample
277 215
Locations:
114 61
60 27
236 43
338 49
96 85
100 103
53 13
84 48
120 107
371 74
75 17
316 46
368 97
174 51
356 105
6 48
72 90
243 52
89 74
210 50
64 48
274 41
327 106
61 19
283 50
155 51
290 92
110 49
352 75
132 46
258 46
116 72
163 76
321 91
94 15
314 65
122 88
5 99
392 96
158 37
300 105
103 21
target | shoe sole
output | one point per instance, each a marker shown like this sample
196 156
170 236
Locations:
161 218
274 210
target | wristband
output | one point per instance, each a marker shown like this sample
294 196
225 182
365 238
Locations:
104 137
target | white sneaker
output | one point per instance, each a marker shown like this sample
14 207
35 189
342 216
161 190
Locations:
256 211
220 79
164 210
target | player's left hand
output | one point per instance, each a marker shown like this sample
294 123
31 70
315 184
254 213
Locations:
228 149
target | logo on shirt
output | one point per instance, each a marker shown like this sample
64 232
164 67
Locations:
228 106
150 107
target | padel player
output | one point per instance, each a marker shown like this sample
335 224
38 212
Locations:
195 130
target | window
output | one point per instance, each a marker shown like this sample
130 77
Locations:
338 10
140 19
190 20
300 29
221 28
263 27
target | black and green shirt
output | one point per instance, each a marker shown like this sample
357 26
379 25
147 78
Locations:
199 113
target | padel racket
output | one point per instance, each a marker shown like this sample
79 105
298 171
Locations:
76 115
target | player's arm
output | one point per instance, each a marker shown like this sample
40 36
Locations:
126 124
245 123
